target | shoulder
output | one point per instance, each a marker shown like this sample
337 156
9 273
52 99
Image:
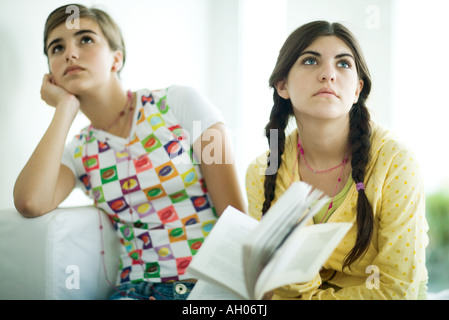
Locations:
181 89
184 99
257 166
177 93
171 92
260 164
386 145
393 159
180 98
255 173
79 138
254 183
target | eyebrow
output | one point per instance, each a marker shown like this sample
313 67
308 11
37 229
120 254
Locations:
317 54
75 35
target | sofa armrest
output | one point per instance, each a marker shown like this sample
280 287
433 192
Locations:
57 255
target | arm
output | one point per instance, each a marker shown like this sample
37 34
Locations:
44 183
214 150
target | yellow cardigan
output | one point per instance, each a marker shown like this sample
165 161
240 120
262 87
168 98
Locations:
394 265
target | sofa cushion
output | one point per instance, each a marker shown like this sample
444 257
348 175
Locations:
57 255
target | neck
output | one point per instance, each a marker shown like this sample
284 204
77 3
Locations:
325 143
103 107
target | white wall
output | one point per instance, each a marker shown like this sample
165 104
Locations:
421 85
227 49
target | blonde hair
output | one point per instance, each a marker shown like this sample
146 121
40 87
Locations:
108 26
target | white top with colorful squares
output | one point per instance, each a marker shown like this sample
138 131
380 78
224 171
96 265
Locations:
156 198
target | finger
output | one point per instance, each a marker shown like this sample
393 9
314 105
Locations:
52 79
49 78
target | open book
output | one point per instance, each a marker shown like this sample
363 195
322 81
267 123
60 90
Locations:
243 258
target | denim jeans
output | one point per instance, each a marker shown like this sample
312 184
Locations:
178 290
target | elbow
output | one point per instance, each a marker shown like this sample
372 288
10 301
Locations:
27 207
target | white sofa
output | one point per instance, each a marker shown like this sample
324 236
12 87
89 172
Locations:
57 255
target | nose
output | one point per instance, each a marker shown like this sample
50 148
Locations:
327 73
71 53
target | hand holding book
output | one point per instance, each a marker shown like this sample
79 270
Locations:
249 258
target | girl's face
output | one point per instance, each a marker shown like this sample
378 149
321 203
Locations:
323 83
80 58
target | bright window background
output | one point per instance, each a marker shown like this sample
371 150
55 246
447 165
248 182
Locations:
227 49
421 85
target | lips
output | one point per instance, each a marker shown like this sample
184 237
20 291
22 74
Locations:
326 91
73 69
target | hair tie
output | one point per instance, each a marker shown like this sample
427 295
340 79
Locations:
360 186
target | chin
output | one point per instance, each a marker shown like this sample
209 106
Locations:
325 112
75 89
331 111
334 115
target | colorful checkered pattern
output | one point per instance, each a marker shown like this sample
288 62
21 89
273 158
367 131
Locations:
159 180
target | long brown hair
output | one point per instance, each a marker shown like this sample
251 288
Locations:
359 122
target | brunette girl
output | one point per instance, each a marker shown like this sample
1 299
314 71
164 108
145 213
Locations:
322 82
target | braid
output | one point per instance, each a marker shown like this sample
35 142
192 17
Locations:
360 144
359 122
280 114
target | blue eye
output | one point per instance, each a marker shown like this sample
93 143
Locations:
56 49
309 61
86 39
344 64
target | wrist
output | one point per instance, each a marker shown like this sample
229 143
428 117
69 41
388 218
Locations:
67 109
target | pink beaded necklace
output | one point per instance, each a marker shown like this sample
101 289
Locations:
301 151
128 106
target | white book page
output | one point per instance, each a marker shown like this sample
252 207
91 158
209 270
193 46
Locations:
220 258
301 256
204 290
298 203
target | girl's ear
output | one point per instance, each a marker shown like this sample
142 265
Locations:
358 90
118 61
281 88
